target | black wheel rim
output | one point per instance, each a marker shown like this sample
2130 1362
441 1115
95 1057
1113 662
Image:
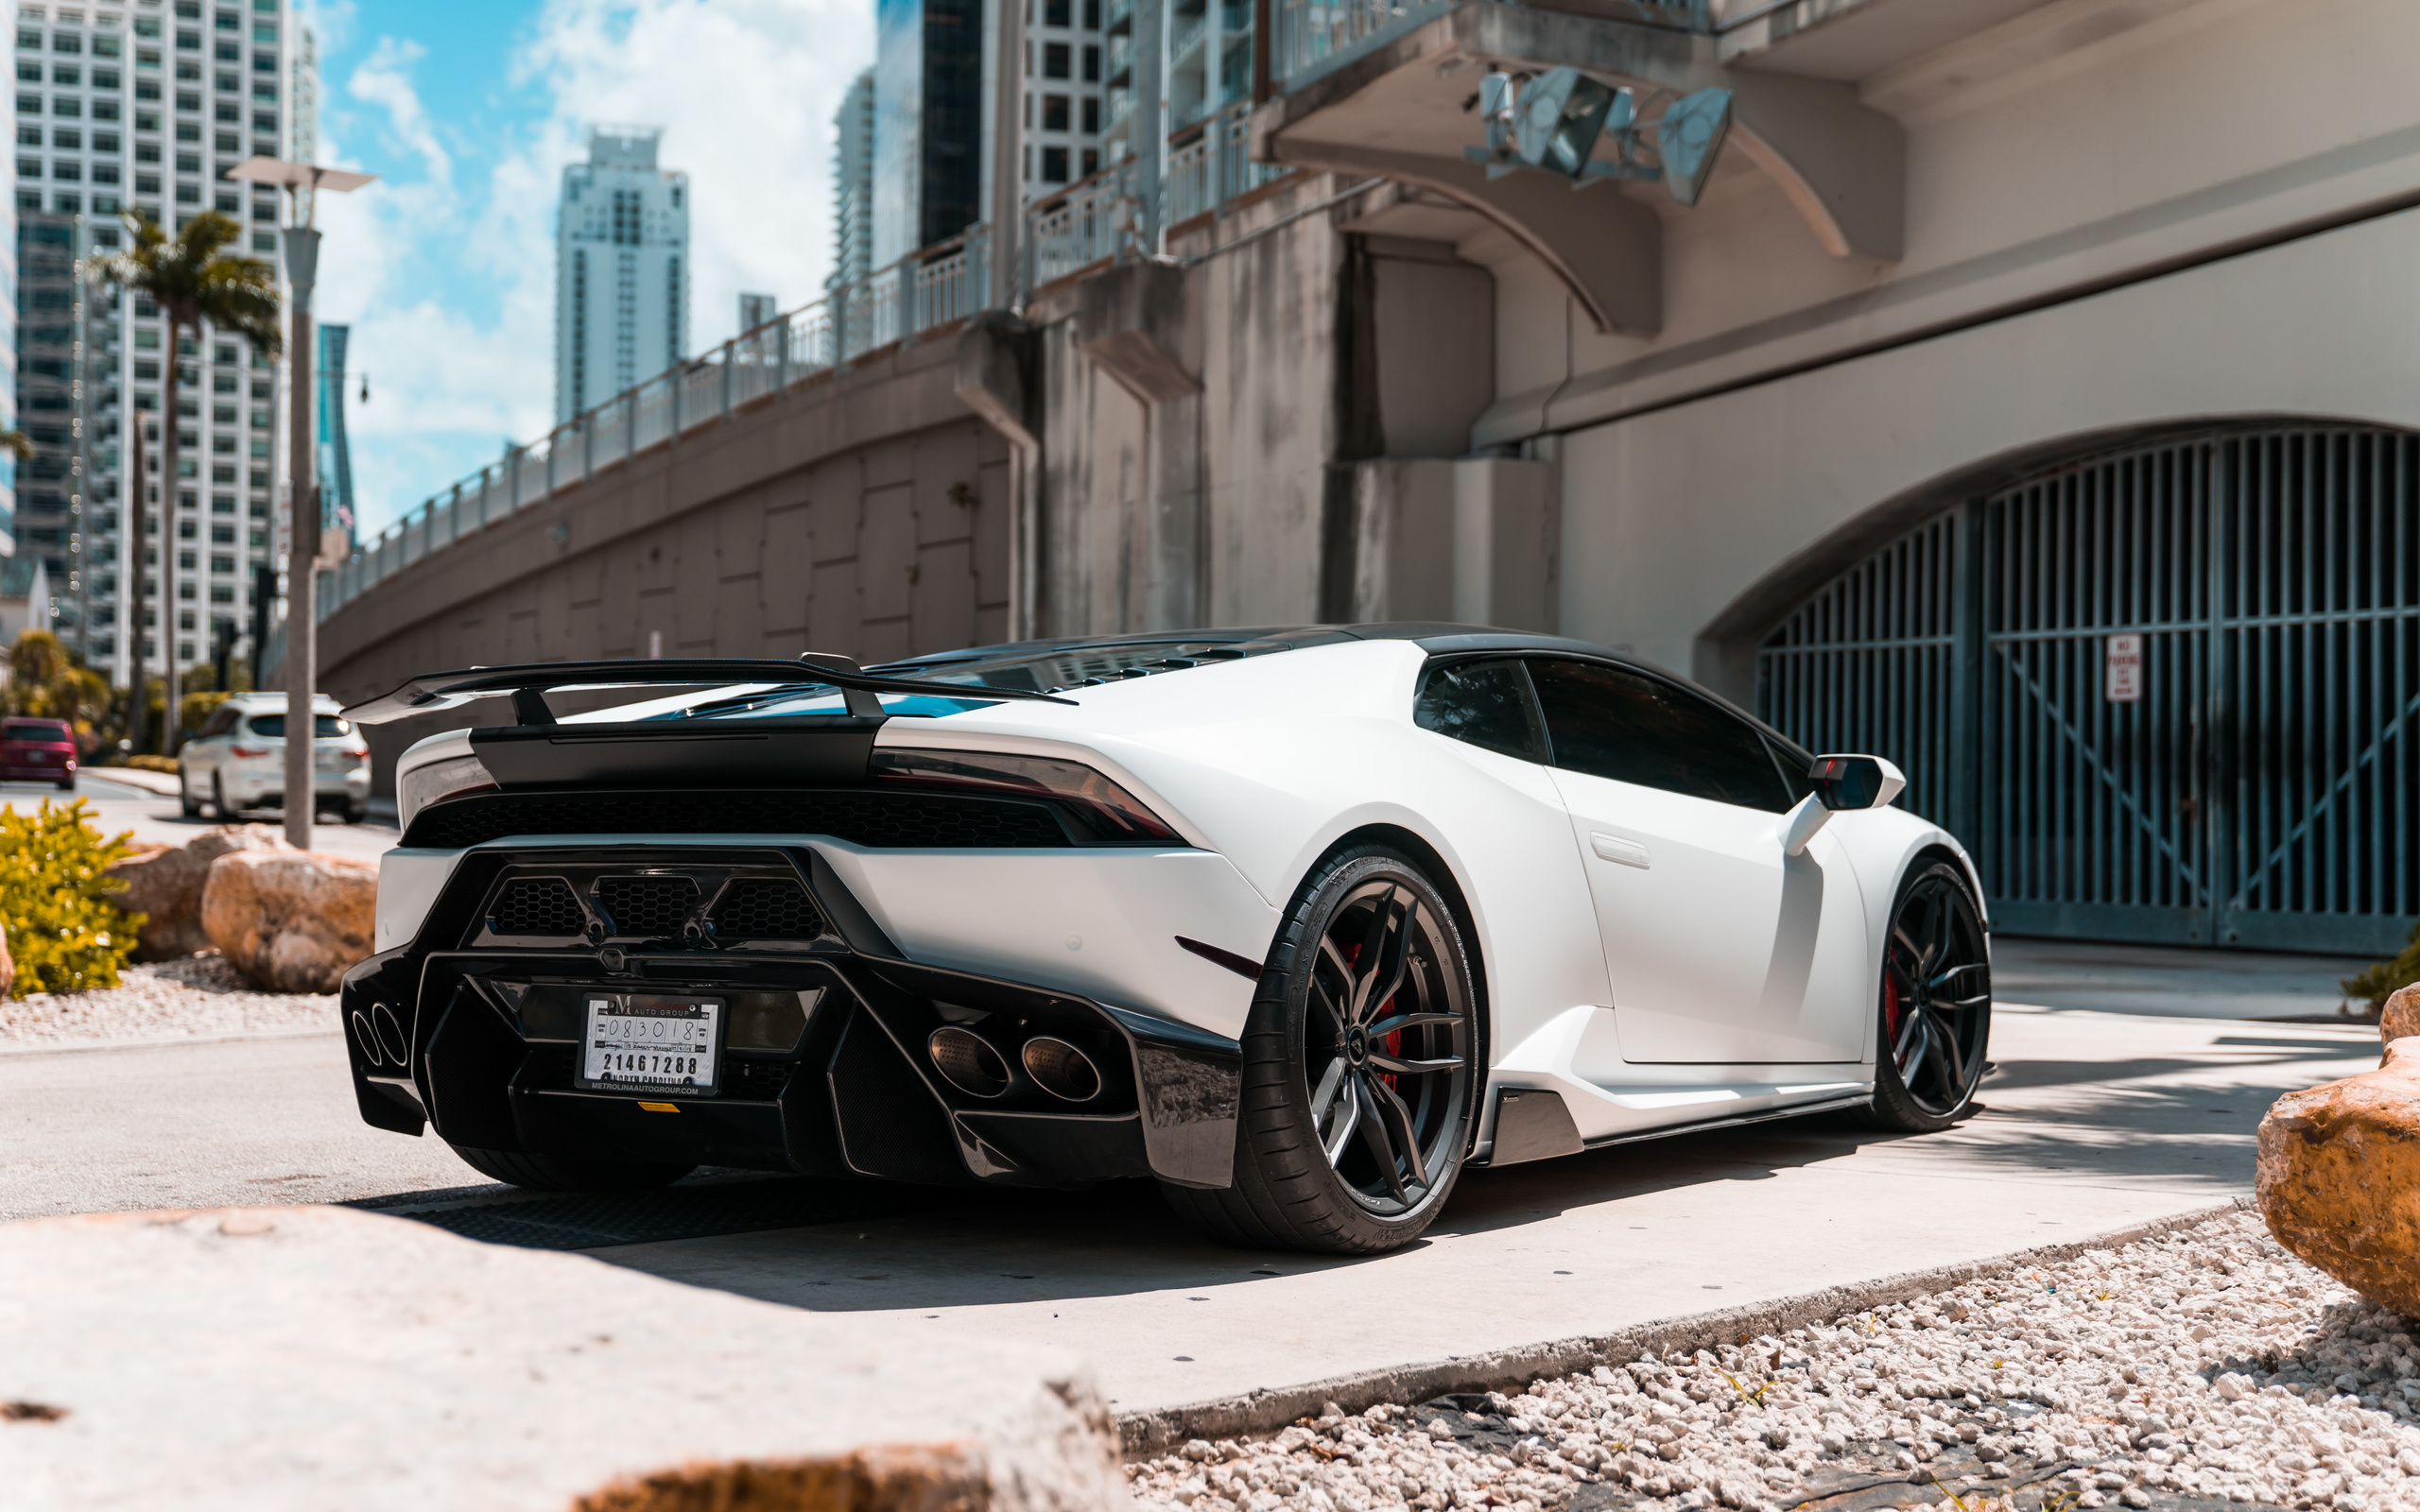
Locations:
1387 1035
1936 995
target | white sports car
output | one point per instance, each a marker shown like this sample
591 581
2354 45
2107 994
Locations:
1297 922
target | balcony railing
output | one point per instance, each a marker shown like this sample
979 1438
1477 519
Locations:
1314 32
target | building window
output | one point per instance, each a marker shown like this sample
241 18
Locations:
146 184
1054 113
1092 14
1056 12
29 136
66 137
66 105
67 204
1054 60
69 169
1092 116
67 41
28 105
1091 162
105 173
105 141
29 168
1054 165
1092 65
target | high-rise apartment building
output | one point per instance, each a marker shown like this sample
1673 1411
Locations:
1065 68
8 353
621 269
853 184
143 105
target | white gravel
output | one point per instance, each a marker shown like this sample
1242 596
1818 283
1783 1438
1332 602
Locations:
2198 1368
198 996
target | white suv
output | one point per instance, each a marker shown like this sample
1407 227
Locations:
237 762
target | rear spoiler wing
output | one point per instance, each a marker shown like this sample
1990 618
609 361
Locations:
528 685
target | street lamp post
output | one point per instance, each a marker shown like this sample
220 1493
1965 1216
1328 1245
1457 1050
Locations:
301 249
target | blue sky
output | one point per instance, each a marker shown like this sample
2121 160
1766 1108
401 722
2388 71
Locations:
468 109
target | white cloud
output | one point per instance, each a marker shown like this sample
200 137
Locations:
446 274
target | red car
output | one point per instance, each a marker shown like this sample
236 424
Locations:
38 750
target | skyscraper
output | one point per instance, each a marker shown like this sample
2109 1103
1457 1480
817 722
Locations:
143 105
621 274
853 184
929 124
338 516
756 310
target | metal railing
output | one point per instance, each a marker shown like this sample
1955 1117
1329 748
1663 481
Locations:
917 294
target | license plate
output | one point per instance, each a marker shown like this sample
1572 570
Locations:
643 1042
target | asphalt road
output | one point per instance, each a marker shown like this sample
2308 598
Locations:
156 816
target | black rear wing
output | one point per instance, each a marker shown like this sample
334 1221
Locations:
528 685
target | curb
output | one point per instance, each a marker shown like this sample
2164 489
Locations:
1154 1430
81 1047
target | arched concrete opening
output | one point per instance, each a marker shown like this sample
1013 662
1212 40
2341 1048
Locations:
2165 682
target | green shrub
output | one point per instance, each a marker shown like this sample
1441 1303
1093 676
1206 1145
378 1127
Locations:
54 891
2379 982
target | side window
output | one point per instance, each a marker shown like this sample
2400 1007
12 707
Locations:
1793 770
1609 722
1487 704
222 719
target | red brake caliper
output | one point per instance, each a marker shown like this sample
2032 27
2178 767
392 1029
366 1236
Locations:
1890 1007
1393 1040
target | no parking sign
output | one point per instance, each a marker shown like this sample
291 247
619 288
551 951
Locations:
2123 666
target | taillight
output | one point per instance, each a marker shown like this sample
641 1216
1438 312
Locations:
357 753
248 752
422 785
1110 811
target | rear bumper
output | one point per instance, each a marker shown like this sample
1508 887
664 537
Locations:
856 1095
23 772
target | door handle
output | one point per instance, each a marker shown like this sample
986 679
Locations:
1621 851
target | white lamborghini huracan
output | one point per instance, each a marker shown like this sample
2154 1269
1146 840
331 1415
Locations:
1299 923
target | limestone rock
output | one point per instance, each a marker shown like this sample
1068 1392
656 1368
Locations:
292 921
166 884
2401 1018
2339 1177
308 1357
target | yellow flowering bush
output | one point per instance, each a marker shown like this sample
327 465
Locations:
55 892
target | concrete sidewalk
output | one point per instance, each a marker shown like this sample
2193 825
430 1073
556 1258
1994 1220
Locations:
2169 982
2093 1122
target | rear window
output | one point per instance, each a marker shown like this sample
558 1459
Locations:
33 729
272 727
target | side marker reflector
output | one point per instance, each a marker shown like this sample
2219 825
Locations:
659 1108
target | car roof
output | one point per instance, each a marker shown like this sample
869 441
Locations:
1437 638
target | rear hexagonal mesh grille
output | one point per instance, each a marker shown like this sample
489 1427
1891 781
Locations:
537 906
647 905
766 908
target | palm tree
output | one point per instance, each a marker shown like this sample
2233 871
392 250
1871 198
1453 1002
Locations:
17 444
194 283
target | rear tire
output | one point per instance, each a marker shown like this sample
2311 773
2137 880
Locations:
68 785
1934 1003
1360 1068
561 1172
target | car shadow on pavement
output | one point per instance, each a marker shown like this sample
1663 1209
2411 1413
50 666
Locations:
858 1247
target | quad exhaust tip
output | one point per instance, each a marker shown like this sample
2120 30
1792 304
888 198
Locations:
1062 1069
367 1038
968 1061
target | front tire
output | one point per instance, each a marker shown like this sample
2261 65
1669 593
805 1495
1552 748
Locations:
186 803
1935 1003
219 797
561 1172
1360 1076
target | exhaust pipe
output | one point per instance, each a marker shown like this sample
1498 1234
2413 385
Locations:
1062 1069
367 1038
391 1034
968 1061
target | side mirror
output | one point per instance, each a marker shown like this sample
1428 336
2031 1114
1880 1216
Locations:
1856 782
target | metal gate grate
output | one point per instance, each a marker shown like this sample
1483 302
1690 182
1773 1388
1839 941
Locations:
2260 791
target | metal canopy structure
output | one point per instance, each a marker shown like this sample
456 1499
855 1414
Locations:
2167 695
